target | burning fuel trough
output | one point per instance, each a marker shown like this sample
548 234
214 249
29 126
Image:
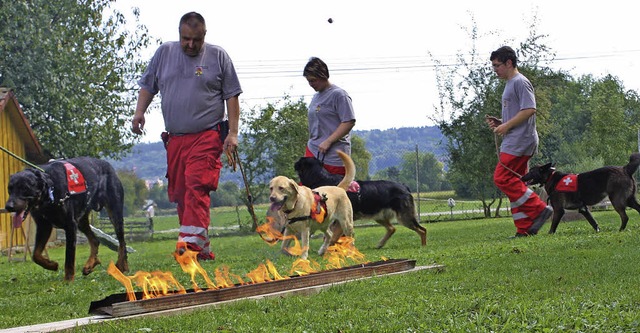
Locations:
162 291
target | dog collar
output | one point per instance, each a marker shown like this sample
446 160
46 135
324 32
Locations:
550 176
299 218
288 211
295 219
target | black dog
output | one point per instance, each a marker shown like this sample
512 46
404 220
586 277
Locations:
593 186
378 200
58 197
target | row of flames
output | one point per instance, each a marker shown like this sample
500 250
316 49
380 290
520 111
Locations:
157 284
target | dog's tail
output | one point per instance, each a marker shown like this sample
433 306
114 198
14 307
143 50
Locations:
350 170
632 166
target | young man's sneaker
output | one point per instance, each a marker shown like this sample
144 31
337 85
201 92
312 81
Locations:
518 235
539 221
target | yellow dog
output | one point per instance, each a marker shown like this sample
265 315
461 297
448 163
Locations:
331 213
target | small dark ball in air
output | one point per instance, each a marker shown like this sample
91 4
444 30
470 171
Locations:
330 20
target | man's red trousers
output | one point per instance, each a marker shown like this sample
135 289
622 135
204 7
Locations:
193 169
526 205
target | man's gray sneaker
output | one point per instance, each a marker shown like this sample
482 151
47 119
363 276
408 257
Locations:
539 221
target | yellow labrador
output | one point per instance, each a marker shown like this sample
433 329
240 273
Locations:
299 204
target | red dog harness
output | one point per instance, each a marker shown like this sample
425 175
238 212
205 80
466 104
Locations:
75 179
318 209
568 183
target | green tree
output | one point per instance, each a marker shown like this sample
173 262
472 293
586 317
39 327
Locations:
463 104
135 191
74 72
272 139
227 194
593 122
158 194
609 133
567 124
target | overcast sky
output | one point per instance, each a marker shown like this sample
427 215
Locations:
379 50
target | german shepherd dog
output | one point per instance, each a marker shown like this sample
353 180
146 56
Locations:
46 195
380 200
617 182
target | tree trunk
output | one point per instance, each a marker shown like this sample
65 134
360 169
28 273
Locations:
498 208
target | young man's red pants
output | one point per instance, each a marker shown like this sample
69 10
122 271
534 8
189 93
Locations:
333 169
193 169
525 204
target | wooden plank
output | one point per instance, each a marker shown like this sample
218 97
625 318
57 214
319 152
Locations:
97 319
119 307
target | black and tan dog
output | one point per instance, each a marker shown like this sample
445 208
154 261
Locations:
62 194
380 200
617 182
305 212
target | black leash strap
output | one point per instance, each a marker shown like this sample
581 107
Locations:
299 218
495 139
20 159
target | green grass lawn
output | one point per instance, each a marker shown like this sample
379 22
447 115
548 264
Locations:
575 280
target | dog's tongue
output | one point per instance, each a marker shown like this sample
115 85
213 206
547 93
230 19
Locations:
18 217
275 206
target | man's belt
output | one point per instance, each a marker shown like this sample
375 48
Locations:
215 127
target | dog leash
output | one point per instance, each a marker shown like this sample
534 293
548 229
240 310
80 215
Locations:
234 160
495 139
20 159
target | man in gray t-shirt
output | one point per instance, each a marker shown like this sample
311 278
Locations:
196 81
519 142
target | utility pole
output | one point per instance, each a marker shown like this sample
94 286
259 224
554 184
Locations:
418 179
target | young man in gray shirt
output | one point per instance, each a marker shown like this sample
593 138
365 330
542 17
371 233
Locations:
519 142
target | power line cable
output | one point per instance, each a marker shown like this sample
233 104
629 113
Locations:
291 68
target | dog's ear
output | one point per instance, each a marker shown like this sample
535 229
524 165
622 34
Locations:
43 180
294 186
298 166
547 166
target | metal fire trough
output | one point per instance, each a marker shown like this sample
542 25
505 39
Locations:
117 305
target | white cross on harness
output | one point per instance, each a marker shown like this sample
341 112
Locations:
74 176
567 181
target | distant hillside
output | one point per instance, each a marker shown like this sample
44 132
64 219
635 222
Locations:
147 159
386 147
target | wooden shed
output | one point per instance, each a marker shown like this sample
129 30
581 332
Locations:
16 137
